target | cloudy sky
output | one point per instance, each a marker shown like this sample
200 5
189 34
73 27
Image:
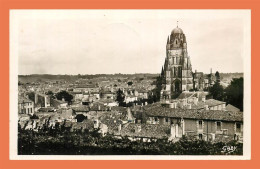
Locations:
126 41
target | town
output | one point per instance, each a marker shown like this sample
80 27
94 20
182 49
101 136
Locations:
175 103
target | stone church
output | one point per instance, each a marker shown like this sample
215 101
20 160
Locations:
177 70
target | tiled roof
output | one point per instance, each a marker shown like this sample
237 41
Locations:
159 111
46 109
81 109
184 95
76 92
147 130
85 86
59 101
230 107
210 103
118 108
98 107
23 100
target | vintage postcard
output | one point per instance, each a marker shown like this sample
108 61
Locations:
130 84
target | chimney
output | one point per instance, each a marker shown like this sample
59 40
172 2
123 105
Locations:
96 123
185 102
172 130
138 128
203 99
145 103
63 99
119 128
206 107
175 105
171 105
195 100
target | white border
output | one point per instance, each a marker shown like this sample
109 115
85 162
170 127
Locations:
16 15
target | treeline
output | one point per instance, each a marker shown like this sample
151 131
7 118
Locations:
233 94
85 76
63 142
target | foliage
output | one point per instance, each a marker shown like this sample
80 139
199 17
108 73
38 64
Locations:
120 96
235 92
64 94
217 91
31 96
50 93
217 76
158 87
34 116
59 141
130 83
20 83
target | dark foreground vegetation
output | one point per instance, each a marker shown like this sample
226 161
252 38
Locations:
58 142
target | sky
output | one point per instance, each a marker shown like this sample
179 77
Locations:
126 41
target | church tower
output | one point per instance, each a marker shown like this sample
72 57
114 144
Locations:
177 70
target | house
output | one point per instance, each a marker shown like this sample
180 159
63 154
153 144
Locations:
59 103
85 88
130 98
42 100
96 95
78 95
81 109
143 94
214 125
25 105
107 95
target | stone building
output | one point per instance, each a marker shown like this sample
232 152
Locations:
177 71
177 75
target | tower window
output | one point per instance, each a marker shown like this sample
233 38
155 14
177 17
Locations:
200 124
218 125
200 136
238 127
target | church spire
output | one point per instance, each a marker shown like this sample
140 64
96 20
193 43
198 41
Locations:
162 72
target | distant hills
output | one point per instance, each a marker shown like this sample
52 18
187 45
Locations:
48 77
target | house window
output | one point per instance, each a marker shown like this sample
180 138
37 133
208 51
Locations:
166 120
200 124
238 127
200 136
218 125
155 119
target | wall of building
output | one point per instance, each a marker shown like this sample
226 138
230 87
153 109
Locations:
26 108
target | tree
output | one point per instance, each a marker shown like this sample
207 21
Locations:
64 94
31 96
235 93
120 96
20 83
157 90
217 91
130 83
217 76
50 93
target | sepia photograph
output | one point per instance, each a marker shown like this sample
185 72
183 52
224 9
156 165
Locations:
130 84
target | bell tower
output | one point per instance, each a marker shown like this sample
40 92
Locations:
177 67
